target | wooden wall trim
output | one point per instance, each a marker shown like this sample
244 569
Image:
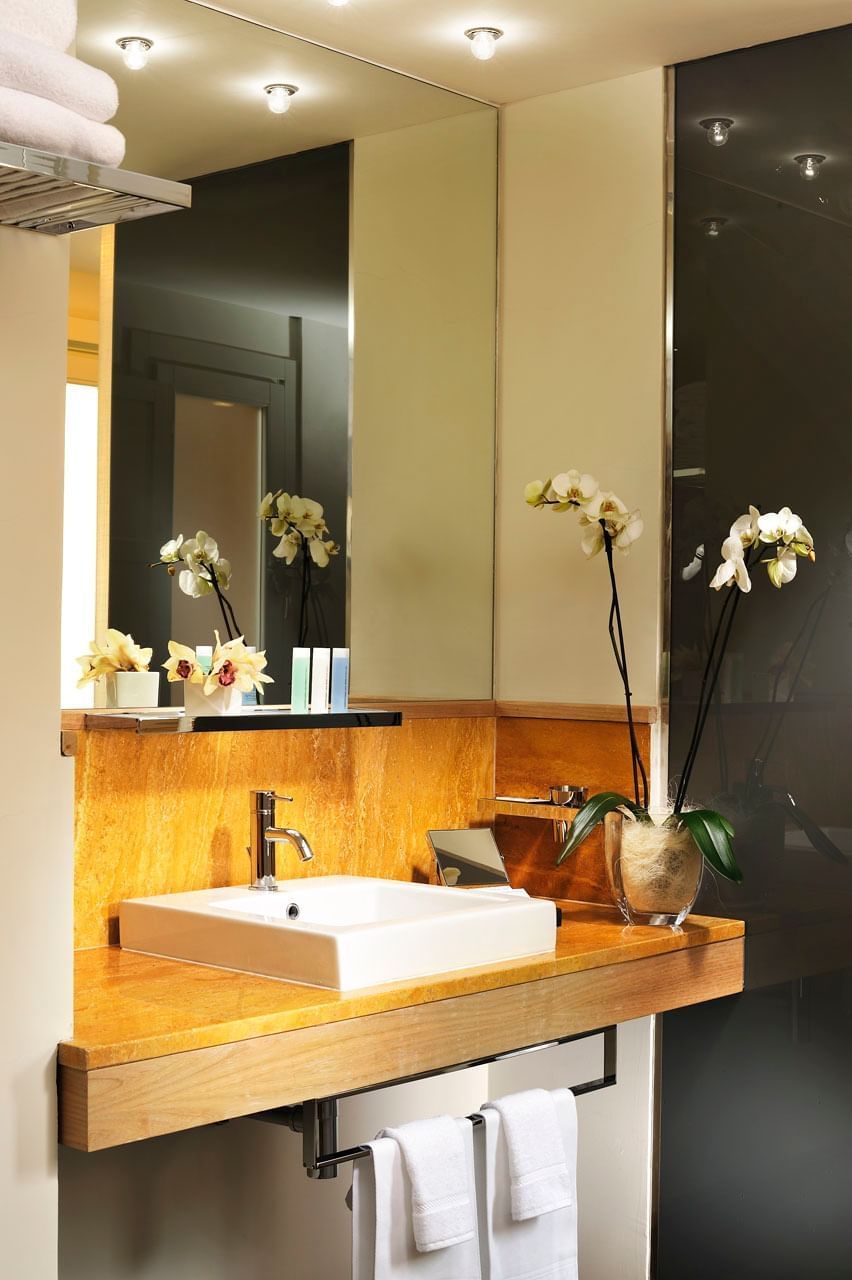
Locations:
599 711
109 1106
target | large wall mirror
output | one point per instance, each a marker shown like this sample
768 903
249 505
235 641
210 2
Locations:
321 322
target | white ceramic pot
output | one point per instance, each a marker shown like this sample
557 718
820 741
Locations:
223 702
133 689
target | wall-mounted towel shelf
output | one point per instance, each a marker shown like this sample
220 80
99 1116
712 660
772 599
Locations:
317 1120
56 194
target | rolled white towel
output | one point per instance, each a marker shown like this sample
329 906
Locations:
47 73
51 22
34 122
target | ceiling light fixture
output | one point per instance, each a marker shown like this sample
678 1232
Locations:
809 165
483 41
713 226
338 4
278 97
718 128
135 50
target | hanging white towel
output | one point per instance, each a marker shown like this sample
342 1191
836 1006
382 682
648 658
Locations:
51 22
47 73
539 1177
383 1245
435 1152
540 1248
34 122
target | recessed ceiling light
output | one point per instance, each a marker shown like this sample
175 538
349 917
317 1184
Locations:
809 165
338 4
718 129
713 227
278 97
135 50
483 41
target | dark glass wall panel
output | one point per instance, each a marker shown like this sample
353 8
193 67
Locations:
756 1179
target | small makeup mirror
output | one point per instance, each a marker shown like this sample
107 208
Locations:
468 858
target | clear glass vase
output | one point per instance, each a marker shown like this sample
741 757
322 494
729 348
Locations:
654 871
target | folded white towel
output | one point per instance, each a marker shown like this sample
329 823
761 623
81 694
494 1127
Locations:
34 122
382 1231
51 22
540 1179
436 1162
542 1248
47 73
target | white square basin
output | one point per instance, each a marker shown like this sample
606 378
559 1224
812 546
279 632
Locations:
341 932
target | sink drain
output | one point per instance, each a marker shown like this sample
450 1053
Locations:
293 911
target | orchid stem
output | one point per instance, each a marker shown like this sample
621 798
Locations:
620 653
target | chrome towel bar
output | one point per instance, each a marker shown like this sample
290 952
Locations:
317 1119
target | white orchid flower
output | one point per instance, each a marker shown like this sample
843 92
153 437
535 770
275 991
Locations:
803 544
170 552
607 512
267 505
733 567
322 551
222 569
202 548
573 489
288 547
182 664
535 493
628 531
192 580
694 567
778 526
747 527
308 516
782 567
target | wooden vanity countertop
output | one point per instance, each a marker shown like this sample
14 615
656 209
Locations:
131 1007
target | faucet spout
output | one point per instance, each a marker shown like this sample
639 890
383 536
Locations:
279 834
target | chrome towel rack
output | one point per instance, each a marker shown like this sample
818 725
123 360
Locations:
317 1119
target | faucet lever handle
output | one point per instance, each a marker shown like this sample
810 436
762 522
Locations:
277 797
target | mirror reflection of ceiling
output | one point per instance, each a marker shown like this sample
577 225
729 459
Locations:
198 106
548 44
791 99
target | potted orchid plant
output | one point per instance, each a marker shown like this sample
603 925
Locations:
300 527
123 666
234 670
655 861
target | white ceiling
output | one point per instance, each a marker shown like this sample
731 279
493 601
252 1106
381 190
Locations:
548 44
198 106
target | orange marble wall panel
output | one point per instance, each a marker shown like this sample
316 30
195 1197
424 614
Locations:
165 813
534 754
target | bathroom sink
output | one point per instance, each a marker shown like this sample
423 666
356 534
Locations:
341 932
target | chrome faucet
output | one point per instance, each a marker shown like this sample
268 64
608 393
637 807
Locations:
264 837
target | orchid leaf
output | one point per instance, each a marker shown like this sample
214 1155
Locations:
591 815
712 835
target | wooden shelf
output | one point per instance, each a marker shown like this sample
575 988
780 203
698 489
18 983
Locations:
173 720
517 809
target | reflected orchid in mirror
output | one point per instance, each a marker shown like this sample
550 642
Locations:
233 664
752 532
119 652
205 571
300 526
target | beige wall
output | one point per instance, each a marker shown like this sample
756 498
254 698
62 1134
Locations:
35 803
581 385
581 378
424 227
